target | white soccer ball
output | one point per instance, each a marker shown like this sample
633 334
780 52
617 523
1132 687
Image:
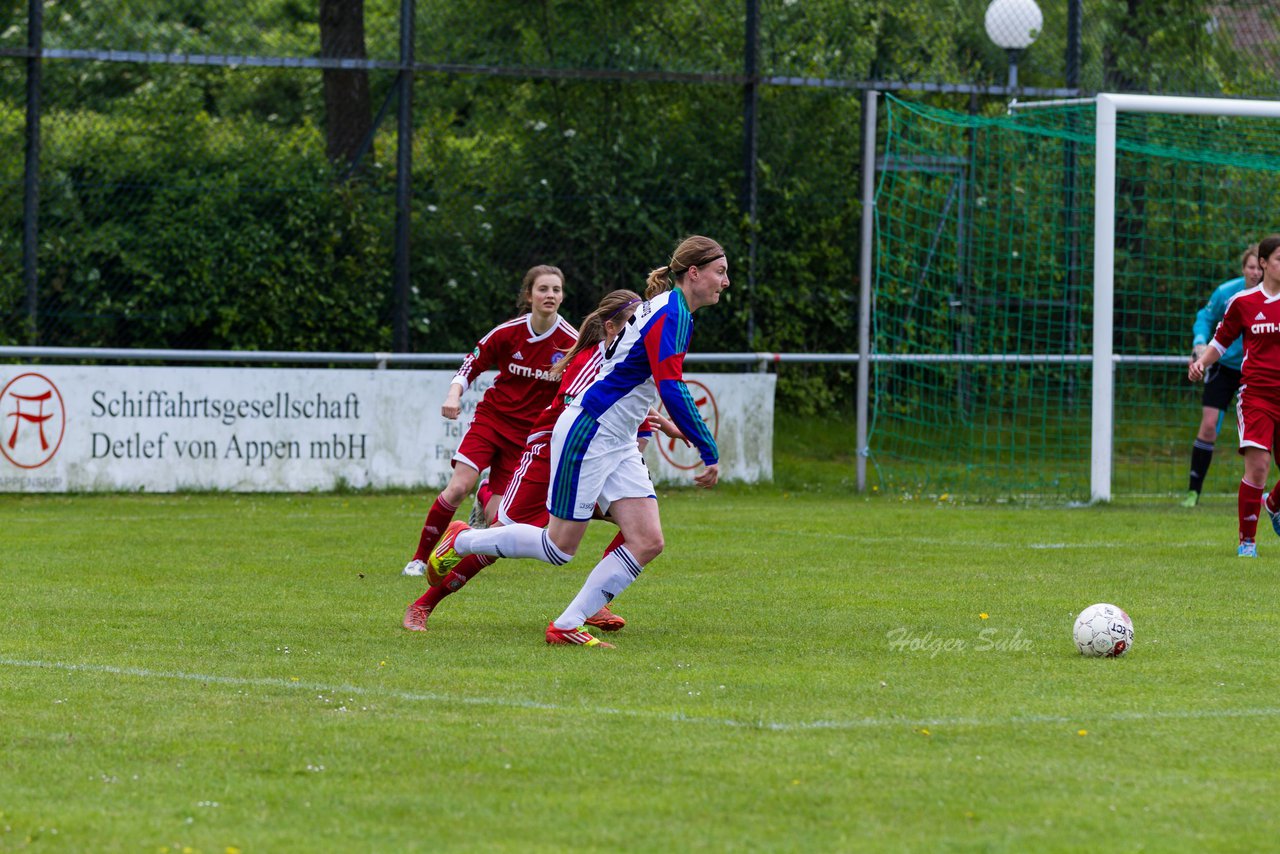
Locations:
1104 631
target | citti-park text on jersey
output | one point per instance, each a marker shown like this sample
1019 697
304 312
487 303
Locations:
531 373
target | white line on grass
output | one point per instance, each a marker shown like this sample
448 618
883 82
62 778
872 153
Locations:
990 545
676 717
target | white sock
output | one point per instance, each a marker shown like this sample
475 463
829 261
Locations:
517 540
613 574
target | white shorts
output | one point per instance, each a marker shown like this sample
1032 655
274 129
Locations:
590 466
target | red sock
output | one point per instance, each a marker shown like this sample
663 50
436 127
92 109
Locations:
617 541
1273 500
438 518
1248 505
452 583
455 580
483 494
470 565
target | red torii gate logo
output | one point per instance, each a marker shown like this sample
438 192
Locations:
34 405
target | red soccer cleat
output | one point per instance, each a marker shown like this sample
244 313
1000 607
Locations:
443 558
605 620
577 636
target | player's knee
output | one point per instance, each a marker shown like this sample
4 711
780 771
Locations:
646 548
458 486
568 552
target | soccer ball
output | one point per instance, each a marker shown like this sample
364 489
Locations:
1103 630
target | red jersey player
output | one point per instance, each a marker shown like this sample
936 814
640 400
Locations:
523 350
1254 314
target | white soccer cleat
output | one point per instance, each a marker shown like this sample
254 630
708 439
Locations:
414 568
478 520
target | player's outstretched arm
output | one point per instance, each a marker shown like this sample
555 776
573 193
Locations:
452 407
658 421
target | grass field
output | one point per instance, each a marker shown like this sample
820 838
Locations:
800 671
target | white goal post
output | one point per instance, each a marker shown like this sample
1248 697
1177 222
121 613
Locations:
1102 358
1108 106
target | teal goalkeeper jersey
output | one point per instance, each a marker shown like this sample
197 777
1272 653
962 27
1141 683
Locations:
1208 318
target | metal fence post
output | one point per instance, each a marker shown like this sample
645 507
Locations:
1075 18
31 174
750 134
404 181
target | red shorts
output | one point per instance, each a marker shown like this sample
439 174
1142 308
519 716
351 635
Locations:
526 499
484 447
1257 421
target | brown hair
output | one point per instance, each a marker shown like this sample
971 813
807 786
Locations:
524 303
693 251
613 307
1268 245
1251 252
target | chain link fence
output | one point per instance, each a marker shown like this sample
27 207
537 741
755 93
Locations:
217 175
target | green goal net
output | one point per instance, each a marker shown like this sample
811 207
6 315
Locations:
984 290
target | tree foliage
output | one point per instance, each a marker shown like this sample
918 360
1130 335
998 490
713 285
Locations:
189 206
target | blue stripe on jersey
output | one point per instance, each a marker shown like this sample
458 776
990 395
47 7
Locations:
564 480
675 336
682 410
707 441
625 374
629 367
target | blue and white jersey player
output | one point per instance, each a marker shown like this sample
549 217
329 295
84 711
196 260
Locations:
594 456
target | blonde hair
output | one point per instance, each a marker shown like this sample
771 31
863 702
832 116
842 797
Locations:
613 307
524 302
693 251
1251 252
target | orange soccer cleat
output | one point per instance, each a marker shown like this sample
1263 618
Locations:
605 620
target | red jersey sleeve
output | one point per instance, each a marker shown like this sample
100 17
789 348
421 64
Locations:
1230 327
488 353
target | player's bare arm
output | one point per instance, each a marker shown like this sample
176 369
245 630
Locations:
452 407
1195 371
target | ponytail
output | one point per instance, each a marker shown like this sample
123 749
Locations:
659 281
592 332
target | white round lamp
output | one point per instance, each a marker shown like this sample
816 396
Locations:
1013 25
